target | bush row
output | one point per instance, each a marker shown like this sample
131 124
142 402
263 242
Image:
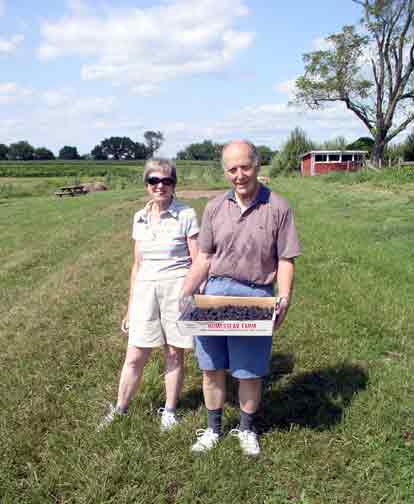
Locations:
186 169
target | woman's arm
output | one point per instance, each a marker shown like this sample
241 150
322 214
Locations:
134 271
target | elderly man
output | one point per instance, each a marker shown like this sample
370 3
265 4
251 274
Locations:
247 242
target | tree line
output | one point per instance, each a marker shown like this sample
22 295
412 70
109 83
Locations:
114 147
288 158
211 151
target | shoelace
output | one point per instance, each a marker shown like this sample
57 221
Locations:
202 432
163 411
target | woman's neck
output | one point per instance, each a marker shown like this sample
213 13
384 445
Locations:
159 206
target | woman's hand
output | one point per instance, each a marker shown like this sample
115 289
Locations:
125 324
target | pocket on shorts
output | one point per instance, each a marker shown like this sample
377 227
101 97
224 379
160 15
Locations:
145 305
168 292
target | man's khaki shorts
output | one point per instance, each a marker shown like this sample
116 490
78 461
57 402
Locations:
154 313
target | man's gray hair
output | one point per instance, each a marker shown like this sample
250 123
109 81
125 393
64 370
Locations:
254 153
163 165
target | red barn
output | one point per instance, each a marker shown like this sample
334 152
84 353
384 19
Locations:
325 161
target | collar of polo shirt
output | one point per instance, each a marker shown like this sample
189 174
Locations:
262 196
172 209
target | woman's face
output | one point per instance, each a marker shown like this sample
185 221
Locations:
160 187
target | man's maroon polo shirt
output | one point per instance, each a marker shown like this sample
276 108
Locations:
247 245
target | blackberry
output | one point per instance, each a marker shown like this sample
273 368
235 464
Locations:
230 313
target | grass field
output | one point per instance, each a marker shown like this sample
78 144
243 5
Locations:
337 417
43 178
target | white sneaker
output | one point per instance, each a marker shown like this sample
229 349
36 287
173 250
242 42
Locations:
112 414
207 439
168 419
249 442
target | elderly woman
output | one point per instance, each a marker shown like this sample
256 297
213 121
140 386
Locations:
165 234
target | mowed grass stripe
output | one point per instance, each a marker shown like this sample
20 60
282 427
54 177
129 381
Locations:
65 229
337 414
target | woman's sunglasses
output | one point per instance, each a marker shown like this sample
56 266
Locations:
167 181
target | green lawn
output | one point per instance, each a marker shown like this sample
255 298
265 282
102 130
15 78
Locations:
337 418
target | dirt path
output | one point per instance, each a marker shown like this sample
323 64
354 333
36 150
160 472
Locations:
199 194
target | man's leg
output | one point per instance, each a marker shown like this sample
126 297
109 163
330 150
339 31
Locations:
214 390
250 391
131 375
249 362
213 361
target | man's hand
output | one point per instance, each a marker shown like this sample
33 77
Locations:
125 324
281 309
184 302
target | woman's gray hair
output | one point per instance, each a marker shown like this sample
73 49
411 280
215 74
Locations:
163 165
254 153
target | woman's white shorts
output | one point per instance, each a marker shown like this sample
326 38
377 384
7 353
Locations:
154 313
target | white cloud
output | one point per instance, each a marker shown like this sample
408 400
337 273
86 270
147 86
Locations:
58 117
64 103
144 47
268 124
287 87
11 92
10 45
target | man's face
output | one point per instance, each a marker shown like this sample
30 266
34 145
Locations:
240 170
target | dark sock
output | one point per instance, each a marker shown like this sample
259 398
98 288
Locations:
214 420
246 421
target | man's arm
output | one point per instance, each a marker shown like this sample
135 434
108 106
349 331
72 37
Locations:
192 244
197 274
285 281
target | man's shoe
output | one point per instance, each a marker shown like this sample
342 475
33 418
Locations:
249 442
168 419
113 413
207 439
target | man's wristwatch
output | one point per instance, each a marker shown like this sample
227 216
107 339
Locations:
281 298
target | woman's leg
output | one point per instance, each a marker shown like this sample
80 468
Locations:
131 374
174 374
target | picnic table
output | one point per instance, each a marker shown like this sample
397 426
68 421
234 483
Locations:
73 190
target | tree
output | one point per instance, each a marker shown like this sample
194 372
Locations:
4 150
338 143
289 157
98 154
140 151
21 151
408 147
43 154
204 151
118 147
69 153
370 70
154 140
362 143
266 154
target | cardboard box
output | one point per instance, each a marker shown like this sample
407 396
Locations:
228 327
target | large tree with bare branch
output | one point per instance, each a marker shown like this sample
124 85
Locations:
370 68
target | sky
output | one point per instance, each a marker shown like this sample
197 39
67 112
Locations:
74 72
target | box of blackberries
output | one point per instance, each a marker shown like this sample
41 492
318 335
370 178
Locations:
228 316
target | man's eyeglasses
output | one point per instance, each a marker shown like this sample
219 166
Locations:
167 181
